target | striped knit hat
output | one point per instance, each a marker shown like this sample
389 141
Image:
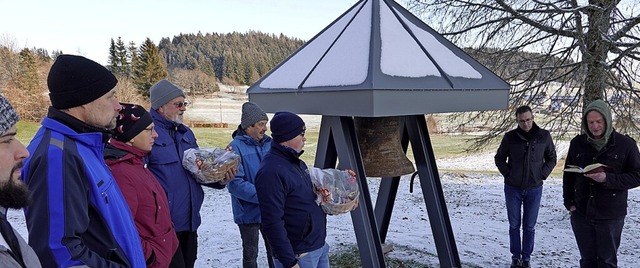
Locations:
8 115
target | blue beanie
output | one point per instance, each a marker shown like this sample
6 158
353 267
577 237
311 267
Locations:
286 126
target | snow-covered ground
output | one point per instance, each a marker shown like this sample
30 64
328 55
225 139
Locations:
477 213
475 202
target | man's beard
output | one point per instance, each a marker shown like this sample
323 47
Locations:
14 193
178 119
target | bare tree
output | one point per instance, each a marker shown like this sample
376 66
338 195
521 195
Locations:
556 54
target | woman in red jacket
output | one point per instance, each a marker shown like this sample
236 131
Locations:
125 155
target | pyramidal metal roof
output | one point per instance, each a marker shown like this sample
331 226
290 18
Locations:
377 59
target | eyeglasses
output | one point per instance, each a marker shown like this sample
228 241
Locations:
149 128
525 120
181 103
304 129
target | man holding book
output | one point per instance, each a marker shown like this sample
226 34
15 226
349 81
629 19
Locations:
525 158
597 200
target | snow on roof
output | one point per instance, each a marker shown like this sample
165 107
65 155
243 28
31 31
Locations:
378 59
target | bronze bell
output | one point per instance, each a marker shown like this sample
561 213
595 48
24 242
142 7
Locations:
379 140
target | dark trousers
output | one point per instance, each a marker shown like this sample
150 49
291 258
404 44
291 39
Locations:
598 240
522 211
187 253
249 235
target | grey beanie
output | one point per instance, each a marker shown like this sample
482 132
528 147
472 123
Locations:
251 113
163 92
8 115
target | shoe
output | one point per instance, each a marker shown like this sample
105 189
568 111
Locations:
525 264
516 263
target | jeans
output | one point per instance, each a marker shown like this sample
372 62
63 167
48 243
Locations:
522 210
249 235
318 258
598 240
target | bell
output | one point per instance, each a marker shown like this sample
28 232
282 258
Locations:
379 140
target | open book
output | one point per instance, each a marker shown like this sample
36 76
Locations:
593 168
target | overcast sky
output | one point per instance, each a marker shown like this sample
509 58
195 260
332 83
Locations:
85 27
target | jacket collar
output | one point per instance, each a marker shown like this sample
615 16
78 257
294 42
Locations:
241 135
76 125
287 152
161 122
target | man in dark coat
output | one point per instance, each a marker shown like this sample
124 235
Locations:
525 158
295 225
598 201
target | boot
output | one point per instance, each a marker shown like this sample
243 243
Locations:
516 263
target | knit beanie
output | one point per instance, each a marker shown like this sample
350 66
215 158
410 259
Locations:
163 92
75 80
8 115
132 120
286 126
251 113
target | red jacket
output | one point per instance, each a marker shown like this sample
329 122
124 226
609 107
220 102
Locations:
147 201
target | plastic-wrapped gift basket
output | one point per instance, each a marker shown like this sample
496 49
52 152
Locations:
209 165
337 190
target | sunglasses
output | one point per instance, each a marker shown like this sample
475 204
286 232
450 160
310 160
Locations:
181 104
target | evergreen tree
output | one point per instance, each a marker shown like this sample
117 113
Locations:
121 57
119 63
149 67
113 58
132 56
28 72
55 54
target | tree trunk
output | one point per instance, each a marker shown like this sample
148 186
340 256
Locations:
595 56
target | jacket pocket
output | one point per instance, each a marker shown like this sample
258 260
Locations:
308 227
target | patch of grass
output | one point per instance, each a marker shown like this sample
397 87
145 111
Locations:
26 130
348 256
443 145
447 146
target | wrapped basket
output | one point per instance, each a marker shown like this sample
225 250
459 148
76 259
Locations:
337 191
209 165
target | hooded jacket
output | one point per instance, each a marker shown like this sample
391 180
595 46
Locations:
526 159
78 215
7 259
244 200
184 194
291 219
608 200
147 202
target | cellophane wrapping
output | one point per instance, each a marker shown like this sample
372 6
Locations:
337 190
209 165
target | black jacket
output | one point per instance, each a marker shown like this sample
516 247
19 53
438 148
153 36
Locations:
526 159
602 200
292 221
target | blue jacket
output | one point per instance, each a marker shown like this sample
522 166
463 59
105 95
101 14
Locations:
185 195
244 199
291 219
78 215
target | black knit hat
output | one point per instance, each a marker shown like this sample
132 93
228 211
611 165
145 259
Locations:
76 80
286 126
132 120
